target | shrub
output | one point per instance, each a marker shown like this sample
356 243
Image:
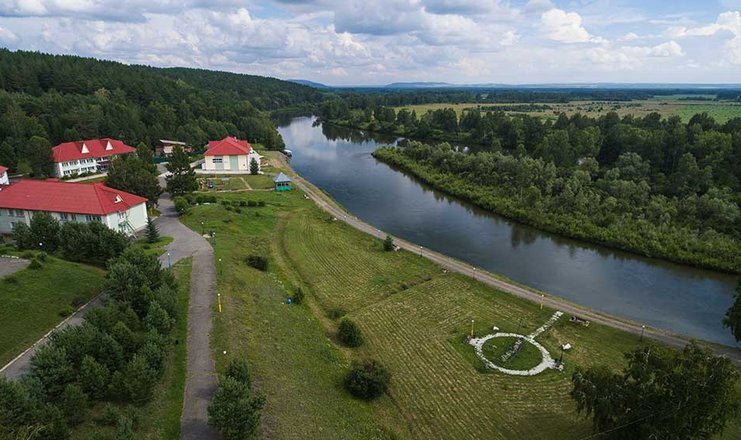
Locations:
234 411
251 203
211 199
388 244
28 255
225 202
110 415
200 200
261 203
236 203
125 429
66 311
349 333
228 207
181 205
35 264
242 203
42 256
238 210
239 370
258 262
367 380
336 313
298 297
11 279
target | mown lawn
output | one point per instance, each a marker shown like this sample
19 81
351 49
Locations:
414 318
33 301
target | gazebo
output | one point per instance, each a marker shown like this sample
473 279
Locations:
282 183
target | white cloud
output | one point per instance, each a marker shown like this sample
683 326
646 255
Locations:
564 26
7 37
728 22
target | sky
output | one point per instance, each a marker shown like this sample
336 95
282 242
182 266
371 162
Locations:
366 42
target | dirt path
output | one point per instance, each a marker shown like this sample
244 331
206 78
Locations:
449 263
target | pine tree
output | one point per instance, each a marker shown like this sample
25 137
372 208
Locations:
254 167
182 178
153 234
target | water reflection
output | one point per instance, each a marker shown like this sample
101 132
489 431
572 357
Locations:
665 295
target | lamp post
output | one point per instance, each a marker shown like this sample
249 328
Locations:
169 262
224 359
643 328
473 272
420 250
472 328
203 231
221 271
560 358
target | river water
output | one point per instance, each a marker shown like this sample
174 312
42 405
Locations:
669 296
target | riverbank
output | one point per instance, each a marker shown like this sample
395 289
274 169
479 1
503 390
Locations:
413 315
714 255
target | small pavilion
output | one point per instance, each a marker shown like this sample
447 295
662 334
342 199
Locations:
282 183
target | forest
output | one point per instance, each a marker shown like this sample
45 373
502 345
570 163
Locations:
49 99
654 186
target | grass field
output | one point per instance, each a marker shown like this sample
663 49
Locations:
237 182
154 249
35 300
666 106
414 318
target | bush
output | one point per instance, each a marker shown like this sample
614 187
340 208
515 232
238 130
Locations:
27 255
66 311
181 205
336 313
11 279
238 210
238 370
251 203
349 333
242 203
35 264
42 256
367 380
388 244
234 411
228 207
298 297
225 202
110 415
258 262
200 199
261 203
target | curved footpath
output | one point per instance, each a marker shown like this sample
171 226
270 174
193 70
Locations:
450 263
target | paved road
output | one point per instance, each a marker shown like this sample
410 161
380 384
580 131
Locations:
10 265
479 274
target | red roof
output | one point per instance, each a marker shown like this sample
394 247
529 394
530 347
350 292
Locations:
3 169
57 196
229 146
90 148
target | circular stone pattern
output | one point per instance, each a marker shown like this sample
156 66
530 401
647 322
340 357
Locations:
546 360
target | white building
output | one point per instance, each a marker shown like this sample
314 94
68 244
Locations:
230 155
91 156
4 176
71 202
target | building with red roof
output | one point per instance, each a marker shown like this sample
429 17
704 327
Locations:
90 156
66 201
230 155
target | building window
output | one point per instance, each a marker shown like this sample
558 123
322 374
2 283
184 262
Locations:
218 159
92 218
15 213
63 216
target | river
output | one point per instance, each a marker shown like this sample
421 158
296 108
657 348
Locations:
669 296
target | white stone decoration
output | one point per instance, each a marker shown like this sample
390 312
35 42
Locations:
546 362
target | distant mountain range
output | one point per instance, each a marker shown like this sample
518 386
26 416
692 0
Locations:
445 85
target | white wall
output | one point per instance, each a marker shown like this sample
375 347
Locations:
136 216
243 162
4 179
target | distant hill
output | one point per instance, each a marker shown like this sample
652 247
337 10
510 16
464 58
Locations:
306 82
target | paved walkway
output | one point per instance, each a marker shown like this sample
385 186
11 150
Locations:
10 265
200 382
452 264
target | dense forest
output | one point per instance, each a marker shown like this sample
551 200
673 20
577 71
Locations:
48 99
652 185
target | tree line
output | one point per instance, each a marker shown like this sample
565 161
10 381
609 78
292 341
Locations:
49 99
654 186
